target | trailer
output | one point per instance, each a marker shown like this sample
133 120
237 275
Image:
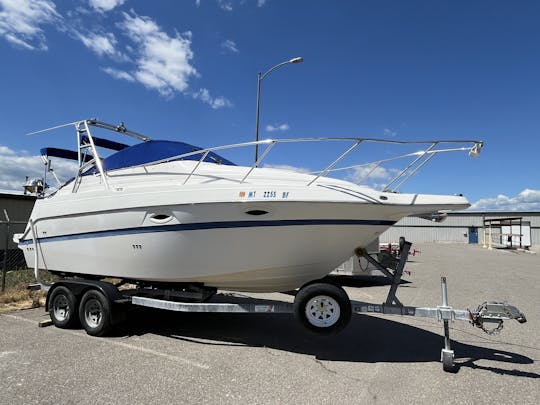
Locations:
322 306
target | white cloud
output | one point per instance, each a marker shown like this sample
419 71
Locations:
163 62
118 74
19 42
215 103
4 150
225 5
389 132
288 167
229 45
527 200
21 21
101 44
369 174
153 58
277 127
105 5
17 165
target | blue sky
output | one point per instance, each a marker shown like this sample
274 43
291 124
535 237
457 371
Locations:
187 70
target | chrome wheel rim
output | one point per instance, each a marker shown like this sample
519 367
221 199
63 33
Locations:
93 313
322 311
61 307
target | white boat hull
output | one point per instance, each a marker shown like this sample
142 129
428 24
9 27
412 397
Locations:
236 252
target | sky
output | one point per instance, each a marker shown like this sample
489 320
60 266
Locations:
187 70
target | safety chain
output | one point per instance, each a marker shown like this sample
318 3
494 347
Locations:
476 320
494 331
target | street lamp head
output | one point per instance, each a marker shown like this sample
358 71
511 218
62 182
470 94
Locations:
476 149
296 60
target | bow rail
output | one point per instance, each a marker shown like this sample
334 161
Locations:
88 154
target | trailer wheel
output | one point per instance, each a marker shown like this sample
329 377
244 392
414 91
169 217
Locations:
323 308
63 308
95 313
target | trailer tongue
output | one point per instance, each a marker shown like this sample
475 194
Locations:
488 312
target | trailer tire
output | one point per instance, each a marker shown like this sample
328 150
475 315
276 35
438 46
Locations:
323 308
95 313
63 308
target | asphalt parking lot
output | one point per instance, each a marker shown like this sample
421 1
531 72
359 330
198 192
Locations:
158 356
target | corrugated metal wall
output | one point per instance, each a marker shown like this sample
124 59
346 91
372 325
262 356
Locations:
456 227
426 234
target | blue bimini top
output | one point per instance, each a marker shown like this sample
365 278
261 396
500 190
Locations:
151 151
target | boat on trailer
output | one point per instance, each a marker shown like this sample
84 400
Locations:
179 222
169 212
176 222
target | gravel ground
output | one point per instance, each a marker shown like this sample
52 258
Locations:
158 356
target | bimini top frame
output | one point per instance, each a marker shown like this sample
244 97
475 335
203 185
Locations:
88 156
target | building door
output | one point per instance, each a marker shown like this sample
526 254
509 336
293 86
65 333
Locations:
473 234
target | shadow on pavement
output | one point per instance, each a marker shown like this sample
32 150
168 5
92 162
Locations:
367 339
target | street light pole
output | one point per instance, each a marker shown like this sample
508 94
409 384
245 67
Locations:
257 120
260 78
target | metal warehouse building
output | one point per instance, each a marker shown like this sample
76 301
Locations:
468 227
18 208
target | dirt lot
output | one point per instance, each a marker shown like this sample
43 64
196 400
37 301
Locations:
216 358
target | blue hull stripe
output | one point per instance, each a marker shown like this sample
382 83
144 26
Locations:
211 225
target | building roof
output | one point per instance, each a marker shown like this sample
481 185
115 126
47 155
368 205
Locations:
16 195
495 213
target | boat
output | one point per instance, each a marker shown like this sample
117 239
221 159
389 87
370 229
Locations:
165 212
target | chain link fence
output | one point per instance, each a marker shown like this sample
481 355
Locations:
11 257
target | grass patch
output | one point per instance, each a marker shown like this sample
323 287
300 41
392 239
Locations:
16 296
19 279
